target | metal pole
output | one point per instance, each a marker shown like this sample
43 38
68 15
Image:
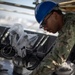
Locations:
36 2
17 5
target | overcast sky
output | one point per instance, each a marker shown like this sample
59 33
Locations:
22 2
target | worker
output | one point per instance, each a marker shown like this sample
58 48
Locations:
50 17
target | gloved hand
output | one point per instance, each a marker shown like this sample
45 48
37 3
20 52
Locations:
66 68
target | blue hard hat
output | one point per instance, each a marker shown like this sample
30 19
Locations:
42 9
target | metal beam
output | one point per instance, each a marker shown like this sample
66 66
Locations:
68 8
17 5
67 3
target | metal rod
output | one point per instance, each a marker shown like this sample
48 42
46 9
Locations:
40 41
17 5
67 2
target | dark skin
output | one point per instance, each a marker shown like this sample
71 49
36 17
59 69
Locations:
53 22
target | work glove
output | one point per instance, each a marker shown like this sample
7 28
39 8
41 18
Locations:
66 68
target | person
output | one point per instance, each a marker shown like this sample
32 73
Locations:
50 17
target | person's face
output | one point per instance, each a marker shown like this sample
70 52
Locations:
53 22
